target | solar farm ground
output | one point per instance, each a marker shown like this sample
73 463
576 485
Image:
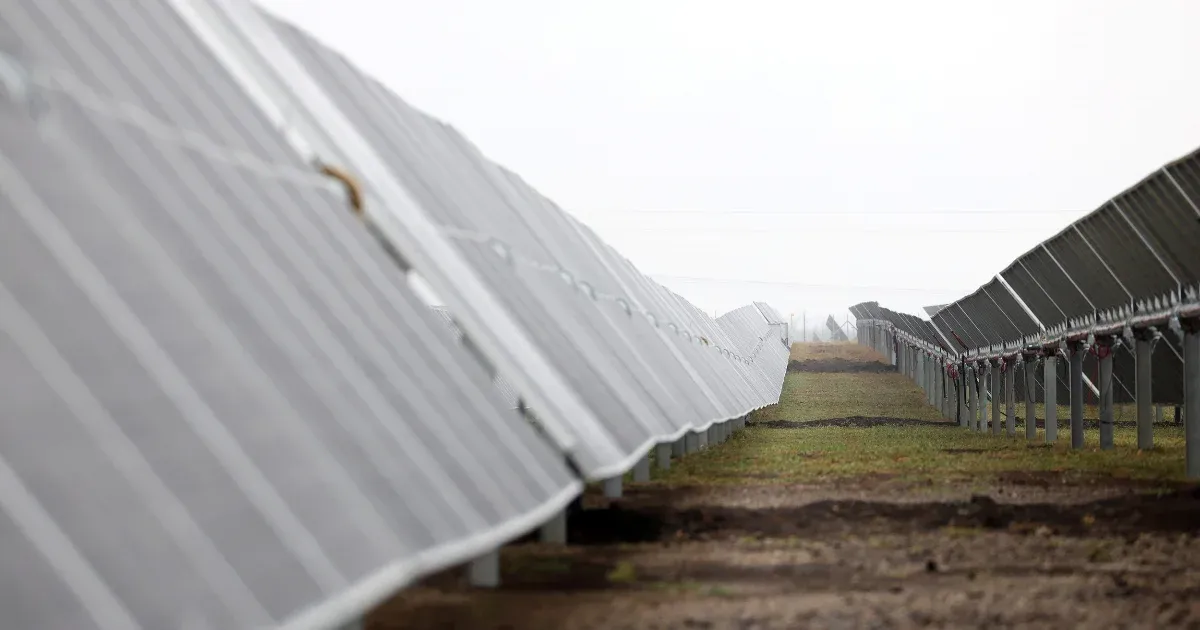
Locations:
852 504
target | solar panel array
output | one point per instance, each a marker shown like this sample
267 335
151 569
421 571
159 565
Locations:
1120 281
835 331
598 321
225 406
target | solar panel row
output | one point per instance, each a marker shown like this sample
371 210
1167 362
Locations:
835 331
225 405
1115 288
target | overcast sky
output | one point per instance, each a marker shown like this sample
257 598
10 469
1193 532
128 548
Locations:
809 154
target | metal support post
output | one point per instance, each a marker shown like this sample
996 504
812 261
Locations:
972 393
679 447
1191 398
1050 388
931 379
484 571
554 531
1144 392
1010 397
926 385
1077 393
947 393
692 442
981 421
662 453
612 487
1106 395
994 368
641 470
964 406
935 396
935 383
1030 367
916 370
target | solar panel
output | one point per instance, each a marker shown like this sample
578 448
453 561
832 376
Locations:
243 415
1170 220
981 315
720 379
503 388
1088 270
543 271
932 310
835 331
964 327
1010 309
751 334
1060 287
1031 292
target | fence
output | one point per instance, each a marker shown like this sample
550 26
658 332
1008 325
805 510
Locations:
226 405
1114 296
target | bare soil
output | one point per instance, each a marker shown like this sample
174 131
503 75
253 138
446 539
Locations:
1045 549
854 421
837 364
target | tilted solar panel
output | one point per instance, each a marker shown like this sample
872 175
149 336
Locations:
721 380
1019 320
539 267
224 407
752 334
503 388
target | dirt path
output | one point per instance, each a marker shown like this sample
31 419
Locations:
857 522
838 364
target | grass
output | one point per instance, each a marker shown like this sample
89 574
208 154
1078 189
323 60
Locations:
915 453
623 573
811 396
834 350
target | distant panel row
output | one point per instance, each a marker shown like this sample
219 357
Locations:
1134 255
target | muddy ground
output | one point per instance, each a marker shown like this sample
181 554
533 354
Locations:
1039 550
838 364
733 545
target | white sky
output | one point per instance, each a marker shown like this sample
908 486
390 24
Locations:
829 152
